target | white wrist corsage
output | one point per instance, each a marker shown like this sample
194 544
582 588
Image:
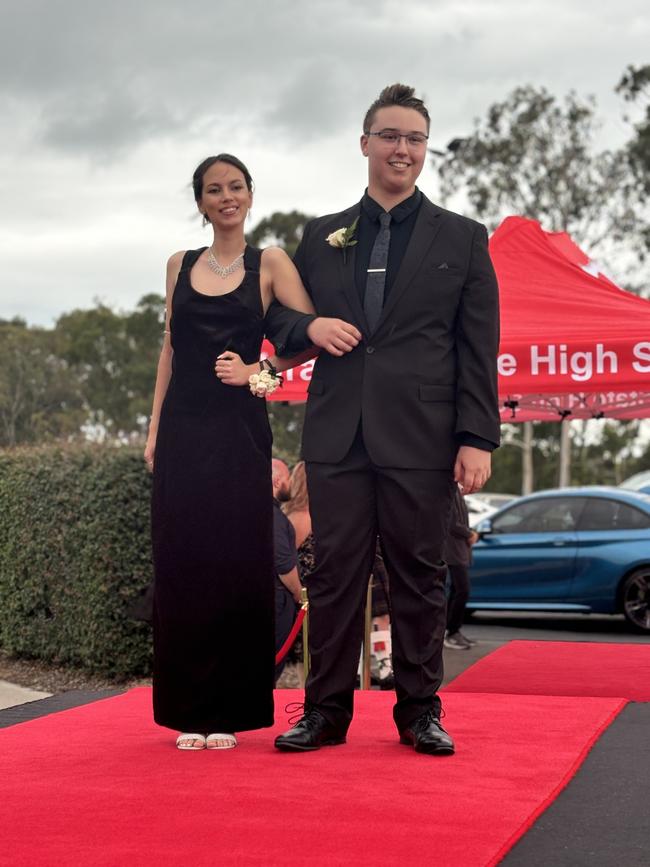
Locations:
265 382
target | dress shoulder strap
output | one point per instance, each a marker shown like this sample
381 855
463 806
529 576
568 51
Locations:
252 259
190 258
183 284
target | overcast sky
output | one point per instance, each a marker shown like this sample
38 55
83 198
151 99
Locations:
106 109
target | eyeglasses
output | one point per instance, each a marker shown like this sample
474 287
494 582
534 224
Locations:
392 137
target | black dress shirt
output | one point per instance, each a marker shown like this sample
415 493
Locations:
402 224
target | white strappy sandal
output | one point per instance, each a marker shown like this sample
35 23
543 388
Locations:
217 741
190 741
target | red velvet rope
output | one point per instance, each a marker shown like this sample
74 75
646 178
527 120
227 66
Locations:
295 629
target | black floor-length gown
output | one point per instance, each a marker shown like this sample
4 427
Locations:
212 520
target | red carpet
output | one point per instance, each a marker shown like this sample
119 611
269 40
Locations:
561 668
101 785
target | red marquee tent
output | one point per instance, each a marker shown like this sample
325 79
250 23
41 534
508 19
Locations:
572 342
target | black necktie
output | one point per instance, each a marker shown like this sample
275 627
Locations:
373 300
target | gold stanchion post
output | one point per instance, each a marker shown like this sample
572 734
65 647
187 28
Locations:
305 633
365 665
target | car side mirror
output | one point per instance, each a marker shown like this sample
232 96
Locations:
484 527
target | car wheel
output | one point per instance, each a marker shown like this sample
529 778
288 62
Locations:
635 598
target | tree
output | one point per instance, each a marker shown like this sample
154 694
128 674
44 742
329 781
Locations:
536 156
610 458
281 229
634 86
144 329
39 398
286 421
95 371
114 357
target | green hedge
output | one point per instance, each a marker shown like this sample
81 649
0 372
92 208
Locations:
75 551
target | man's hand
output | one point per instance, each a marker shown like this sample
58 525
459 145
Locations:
472 468
333 335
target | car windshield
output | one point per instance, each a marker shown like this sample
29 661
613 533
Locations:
637 481
543 515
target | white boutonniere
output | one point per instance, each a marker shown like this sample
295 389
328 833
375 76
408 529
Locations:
343 238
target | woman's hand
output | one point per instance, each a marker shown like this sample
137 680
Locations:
231 370
149 451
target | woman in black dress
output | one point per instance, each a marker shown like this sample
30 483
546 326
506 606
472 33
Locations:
209 447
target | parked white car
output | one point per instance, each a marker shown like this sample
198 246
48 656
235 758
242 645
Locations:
482 505
496 500
477 509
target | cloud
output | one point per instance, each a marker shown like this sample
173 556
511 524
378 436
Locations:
106 108
106 123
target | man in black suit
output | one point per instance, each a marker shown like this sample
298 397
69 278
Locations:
392 419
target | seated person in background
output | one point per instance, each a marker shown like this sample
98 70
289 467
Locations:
296 508
287 589
381 661
458 555
297 511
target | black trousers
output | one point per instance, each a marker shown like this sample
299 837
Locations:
350 503
458 596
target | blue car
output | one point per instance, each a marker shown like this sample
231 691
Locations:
574 549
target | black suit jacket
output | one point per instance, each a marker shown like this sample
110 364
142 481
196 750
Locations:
428 371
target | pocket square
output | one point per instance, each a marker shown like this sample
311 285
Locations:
442 266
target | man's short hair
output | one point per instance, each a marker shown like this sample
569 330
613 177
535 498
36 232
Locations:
395 94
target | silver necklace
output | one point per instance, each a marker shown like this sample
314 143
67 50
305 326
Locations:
224 270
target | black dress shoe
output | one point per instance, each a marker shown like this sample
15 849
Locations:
311 732
428 736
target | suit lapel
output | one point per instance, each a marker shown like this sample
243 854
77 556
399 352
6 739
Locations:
346 270
424 234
